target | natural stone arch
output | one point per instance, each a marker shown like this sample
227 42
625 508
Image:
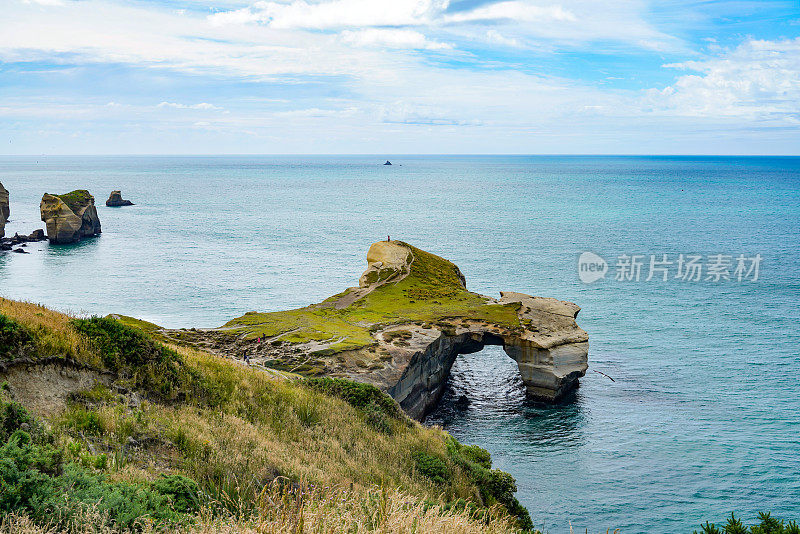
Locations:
404 325
548 370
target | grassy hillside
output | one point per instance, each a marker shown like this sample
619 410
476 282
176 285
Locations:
180 439
431 292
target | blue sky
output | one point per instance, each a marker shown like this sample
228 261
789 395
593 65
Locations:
400 76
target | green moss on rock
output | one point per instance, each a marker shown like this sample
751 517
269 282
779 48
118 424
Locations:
432 291
77 199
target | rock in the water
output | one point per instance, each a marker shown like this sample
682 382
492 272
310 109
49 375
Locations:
37 235
69 217
20 251
115 200
4 209
388 162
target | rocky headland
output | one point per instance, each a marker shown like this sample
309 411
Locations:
402 328
69 217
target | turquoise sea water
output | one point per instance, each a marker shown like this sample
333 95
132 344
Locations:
703 415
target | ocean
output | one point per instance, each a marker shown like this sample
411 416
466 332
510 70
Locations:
697 410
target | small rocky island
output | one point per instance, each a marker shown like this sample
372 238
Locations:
115 200
69 217
402 328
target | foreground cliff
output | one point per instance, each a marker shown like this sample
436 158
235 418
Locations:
402 328
104 428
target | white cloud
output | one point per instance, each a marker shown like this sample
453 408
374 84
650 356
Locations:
514 11
392 38
757 80
494 36
367 82
202 106
44 2
335 14
316 113
570 21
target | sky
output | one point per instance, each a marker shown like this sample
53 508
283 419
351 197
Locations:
399 77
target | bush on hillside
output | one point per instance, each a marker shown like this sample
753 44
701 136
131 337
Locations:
38 482
767 525
378 407
129 352
15 339
432 467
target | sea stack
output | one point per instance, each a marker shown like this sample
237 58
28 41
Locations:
5 212
388 162
70 217
115 200
4 209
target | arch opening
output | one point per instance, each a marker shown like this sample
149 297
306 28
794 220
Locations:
546 373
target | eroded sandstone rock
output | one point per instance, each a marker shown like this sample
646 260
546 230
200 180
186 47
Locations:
4 209
70 217
386 260
115 200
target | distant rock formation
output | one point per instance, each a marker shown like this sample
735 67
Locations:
37 235
388 162
115 200
70 217
404 326
4 209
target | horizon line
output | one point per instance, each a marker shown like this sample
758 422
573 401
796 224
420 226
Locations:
408 154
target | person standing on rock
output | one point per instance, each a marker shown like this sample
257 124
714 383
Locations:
247 358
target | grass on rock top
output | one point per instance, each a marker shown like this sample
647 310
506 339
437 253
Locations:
431 292
76 199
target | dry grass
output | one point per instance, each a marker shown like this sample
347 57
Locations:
316 511
53 334
265 427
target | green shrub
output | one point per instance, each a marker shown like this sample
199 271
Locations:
12 417
767 525
184 492
378 407
129 352
377 418
496 486
476 455
14 338
36 481
432 467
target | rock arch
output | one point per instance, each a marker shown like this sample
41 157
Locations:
549 364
